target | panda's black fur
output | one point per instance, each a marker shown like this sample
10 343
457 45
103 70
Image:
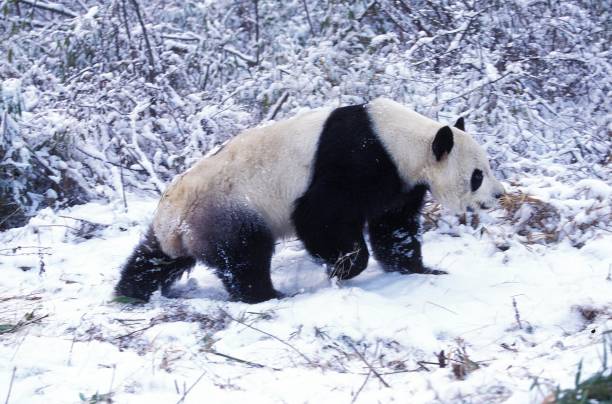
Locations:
354 185
355 182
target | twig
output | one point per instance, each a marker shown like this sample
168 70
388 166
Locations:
54 8
182 399
419 369
41 258
29 21
362 386
69 361
441 359
58 225
13 213
478 87
38 254
269 335
517 316
253 364
423 363
125 21
508 347
233 358
83 5
23 324
308 17
108 161
135 331
121 180
257 43
249 59
79 220
80 73
147 42
29 296
442 307
368 365
110 388
141 156
8 395
277 106
181 38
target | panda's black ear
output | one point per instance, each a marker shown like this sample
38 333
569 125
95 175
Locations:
442 143
460 124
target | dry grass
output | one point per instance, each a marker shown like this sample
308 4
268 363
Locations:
512 202
541 223
538 224
532 220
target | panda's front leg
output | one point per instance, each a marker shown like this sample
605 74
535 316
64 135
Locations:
395 236
332 236
348 259
345 254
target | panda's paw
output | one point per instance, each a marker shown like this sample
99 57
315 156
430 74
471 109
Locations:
425 270
128 293
431 271
257 298
127 300
415 269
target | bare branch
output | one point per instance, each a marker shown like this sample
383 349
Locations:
249 59
277 106
369 366
8 395
182 399
307 359
147 42
308 18
248 363
54 8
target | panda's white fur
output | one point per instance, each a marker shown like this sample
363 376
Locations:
265 168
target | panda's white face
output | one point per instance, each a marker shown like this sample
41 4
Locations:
460 176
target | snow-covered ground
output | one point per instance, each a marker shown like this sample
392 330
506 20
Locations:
512 325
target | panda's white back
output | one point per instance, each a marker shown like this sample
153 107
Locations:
265 169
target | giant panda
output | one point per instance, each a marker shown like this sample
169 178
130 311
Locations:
324 176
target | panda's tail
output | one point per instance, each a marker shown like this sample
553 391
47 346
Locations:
148 268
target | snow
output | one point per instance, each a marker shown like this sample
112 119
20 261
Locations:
380 39
517 314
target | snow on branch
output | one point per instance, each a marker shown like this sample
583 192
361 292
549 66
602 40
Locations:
249 59
53 7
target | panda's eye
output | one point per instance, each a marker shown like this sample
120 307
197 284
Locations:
476 180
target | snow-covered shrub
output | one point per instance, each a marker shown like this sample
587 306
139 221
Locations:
126 93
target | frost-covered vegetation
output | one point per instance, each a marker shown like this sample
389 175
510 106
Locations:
103 97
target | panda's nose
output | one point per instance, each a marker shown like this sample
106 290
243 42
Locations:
498 195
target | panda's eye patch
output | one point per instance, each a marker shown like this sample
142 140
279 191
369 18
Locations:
476 180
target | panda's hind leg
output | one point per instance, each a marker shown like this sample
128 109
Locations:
239 245
395 238
148 268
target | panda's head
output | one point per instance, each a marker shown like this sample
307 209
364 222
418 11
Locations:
459 174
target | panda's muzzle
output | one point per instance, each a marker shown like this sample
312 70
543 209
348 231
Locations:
485 206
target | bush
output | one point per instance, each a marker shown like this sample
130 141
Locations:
104 97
